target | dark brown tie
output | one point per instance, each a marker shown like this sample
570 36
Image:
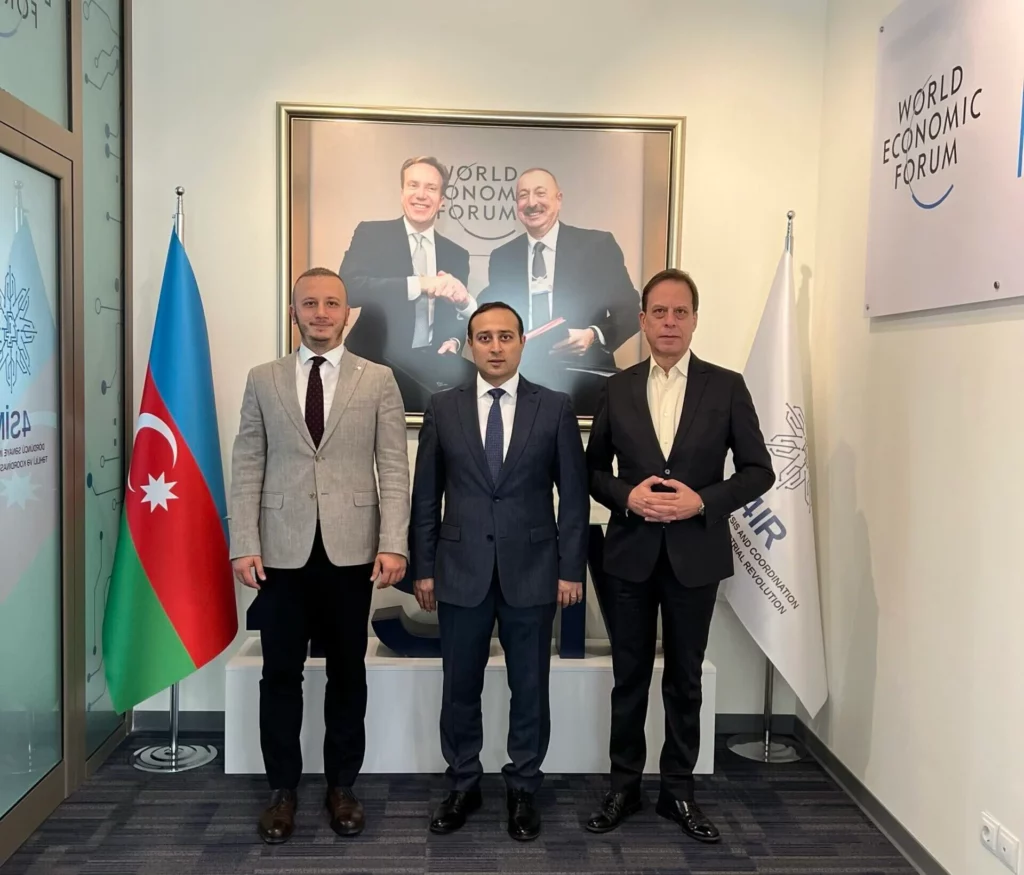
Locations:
315 401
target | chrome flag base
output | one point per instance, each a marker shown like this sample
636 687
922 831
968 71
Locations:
753 747
165 760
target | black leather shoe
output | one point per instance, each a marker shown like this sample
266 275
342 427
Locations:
451 814
347 817
278 819
689 816
615 808
523 819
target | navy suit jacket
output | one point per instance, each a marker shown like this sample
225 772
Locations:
591 286
375 270
718 416
510 522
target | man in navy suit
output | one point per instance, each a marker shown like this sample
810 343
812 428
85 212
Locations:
493 450
409 283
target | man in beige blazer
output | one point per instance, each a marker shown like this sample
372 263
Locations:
312 529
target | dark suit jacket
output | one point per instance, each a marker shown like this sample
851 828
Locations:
591 286
511 521
718 416
375 270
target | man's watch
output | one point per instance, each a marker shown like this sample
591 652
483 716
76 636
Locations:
701 511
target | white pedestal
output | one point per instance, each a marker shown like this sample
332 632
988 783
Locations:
404 706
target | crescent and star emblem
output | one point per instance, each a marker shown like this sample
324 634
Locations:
157 491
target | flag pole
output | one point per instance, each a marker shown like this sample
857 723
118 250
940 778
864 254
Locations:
168 759
761 747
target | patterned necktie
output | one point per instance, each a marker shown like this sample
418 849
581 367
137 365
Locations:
494 440
315 401
540 269
421 325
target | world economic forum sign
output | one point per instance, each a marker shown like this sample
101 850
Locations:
946 222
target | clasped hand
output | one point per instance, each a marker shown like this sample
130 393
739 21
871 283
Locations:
444 285
664 507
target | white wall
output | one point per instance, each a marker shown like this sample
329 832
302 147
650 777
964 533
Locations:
746 74
918 496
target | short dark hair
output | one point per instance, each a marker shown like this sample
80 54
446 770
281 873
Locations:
431 161
538 170
676 275
494 305
317 271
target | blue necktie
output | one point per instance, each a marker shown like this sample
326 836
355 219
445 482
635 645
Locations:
494 438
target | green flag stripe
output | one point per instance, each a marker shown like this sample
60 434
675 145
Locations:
142 651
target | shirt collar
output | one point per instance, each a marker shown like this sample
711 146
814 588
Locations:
428 235
682 367
550 240
511 385
333 357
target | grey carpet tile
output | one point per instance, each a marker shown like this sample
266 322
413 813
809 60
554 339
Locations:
775 820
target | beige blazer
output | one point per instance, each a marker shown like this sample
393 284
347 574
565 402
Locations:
280 482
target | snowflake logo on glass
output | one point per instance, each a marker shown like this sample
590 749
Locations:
17 331
793 448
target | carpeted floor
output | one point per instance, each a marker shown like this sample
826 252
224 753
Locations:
775 820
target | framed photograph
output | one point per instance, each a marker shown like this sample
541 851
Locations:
427 215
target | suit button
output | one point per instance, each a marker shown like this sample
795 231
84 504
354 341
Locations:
312 495
668 470
490 537
319 458
496 500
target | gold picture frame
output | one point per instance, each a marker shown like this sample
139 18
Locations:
312 147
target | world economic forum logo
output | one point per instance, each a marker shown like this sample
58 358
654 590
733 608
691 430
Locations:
17 331
481 199
791 446
923 150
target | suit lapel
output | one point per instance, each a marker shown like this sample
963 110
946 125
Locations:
696 381
470 420
561 291
401 244
527 402
284 380
639 377
517 291
443 253
350 369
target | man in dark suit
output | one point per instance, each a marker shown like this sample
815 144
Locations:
409 283
493 450
670 422
557 271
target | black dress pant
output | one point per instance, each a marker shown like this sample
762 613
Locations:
686 621
296 604
525 635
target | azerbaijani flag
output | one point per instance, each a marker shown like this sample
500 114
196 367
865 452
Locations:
171 606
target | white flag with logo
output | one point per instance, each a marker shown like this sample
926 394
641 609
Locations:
774 590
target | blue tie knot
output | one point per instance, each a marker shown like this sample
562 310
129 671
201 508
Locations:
496 393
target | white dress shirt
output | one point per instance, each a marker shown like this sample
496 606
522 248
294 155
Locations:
413 289
507 404
542 288
665 393
328 375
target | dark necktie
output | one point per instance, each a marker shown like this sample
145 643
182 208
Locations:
315 401
539 268
494 439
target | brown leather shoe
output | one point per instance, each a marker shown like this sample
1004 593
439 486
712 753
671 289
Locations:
346 811
278 819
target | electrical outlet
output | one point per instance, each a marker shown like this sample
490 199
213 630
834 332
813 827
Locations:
1008 848
989 831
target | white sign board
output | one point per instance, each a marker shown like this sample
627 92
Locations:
946 222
